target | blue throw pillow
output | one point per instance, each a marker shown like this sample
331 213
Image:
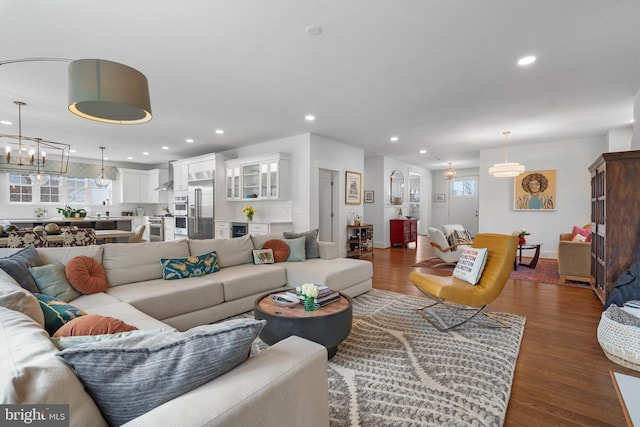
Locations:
193 266
56 312
155 368
17 266
296 249
52 281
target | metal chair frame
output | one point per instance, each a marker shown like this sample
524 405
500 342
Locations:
477 311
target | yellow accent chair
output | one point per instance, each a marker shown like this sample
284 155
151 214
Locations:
446 290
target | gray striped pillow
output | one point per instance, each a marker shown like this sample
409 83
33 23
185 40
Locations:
131 375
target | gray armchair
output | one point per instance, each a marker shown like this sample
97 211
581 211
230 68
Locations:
574 259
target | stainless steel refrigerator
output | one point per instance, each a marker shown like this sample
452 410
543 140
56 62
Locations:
201 205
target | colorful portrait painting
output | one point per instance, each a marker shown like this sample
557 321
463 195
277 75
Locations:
535 191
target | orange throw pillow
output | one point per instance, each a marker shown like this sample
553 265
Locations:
93 324
86 275
280 249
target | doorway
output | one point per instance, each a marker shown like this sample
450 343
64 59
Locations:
464 202
328 203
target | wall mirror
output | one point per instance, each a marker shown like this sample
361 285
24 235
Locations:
397 187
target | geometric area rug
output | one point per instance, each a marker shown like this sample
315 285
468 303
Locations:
396 369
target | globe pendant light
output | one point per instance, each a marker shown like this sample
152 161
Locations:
450 173
506 169
102 181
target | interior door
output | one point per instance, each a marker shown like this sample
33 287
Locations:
463 206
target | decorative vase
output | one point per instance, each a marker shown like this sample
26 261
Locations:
250 217
309 304
522 240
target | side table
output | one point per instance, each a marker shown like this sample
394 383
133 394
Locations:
526 247
328 325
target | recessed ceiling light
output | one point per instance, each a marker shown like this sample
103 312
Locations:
423 151
72 150
145 153
394 139
309 117
189 140
526 60
219 131
313 30
164 147
129 158
6 122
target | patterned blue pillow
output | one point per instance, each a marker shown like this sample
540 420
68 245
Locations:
193 266
56 312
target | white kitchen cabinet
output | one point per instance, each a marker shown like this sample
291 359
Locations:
134 186
139 186
263 177
180 176
258 229
222 230
169 228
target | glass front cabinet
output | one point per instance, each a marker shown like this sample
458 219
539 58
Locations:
263 177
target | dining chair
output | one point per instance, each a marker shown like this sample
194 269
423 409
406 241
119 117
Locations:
78 237
24 238
137 237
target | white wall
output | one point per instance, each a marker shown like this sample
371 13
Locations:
333 155
571 159
620 139
635 142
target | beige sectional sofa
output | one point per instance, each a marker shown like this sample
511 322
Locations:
261 389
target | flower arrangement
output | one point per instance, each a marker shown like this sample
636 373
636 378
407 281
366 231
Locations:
249 211
309 291
521 232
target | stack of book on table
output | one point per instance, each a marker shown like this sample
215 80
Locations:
325 295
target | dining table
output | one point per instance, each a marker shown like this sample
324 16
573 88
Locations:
101 235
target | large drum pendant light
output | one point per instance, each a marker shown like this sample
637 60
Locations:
108 92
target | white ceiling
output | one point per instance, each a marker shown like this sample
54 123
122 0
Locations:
439 74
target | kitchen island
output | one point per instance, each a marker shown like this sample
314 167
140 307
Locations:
99 223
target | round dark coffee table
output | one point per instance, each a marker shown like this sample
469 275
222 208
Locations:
328 325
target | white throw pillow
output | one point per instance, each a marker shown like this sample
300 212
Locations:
470 265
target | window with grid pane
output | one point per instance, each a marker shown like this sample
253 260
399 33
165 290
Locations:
464 188
50 189
20 188
76 190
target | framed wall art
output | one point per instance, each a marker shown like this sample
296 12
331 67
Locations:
368 196
535 191
439 198
353 188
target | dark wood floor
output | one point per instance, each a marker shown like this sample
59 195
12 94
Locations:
562 376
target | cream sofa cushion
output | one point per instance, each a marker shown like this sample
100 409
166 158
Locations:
244 280
15 297
167 298
338 274
236 251
64 255
138 262
261 239
30 371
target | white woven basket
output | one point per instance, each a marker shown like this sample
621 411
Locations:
621 343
